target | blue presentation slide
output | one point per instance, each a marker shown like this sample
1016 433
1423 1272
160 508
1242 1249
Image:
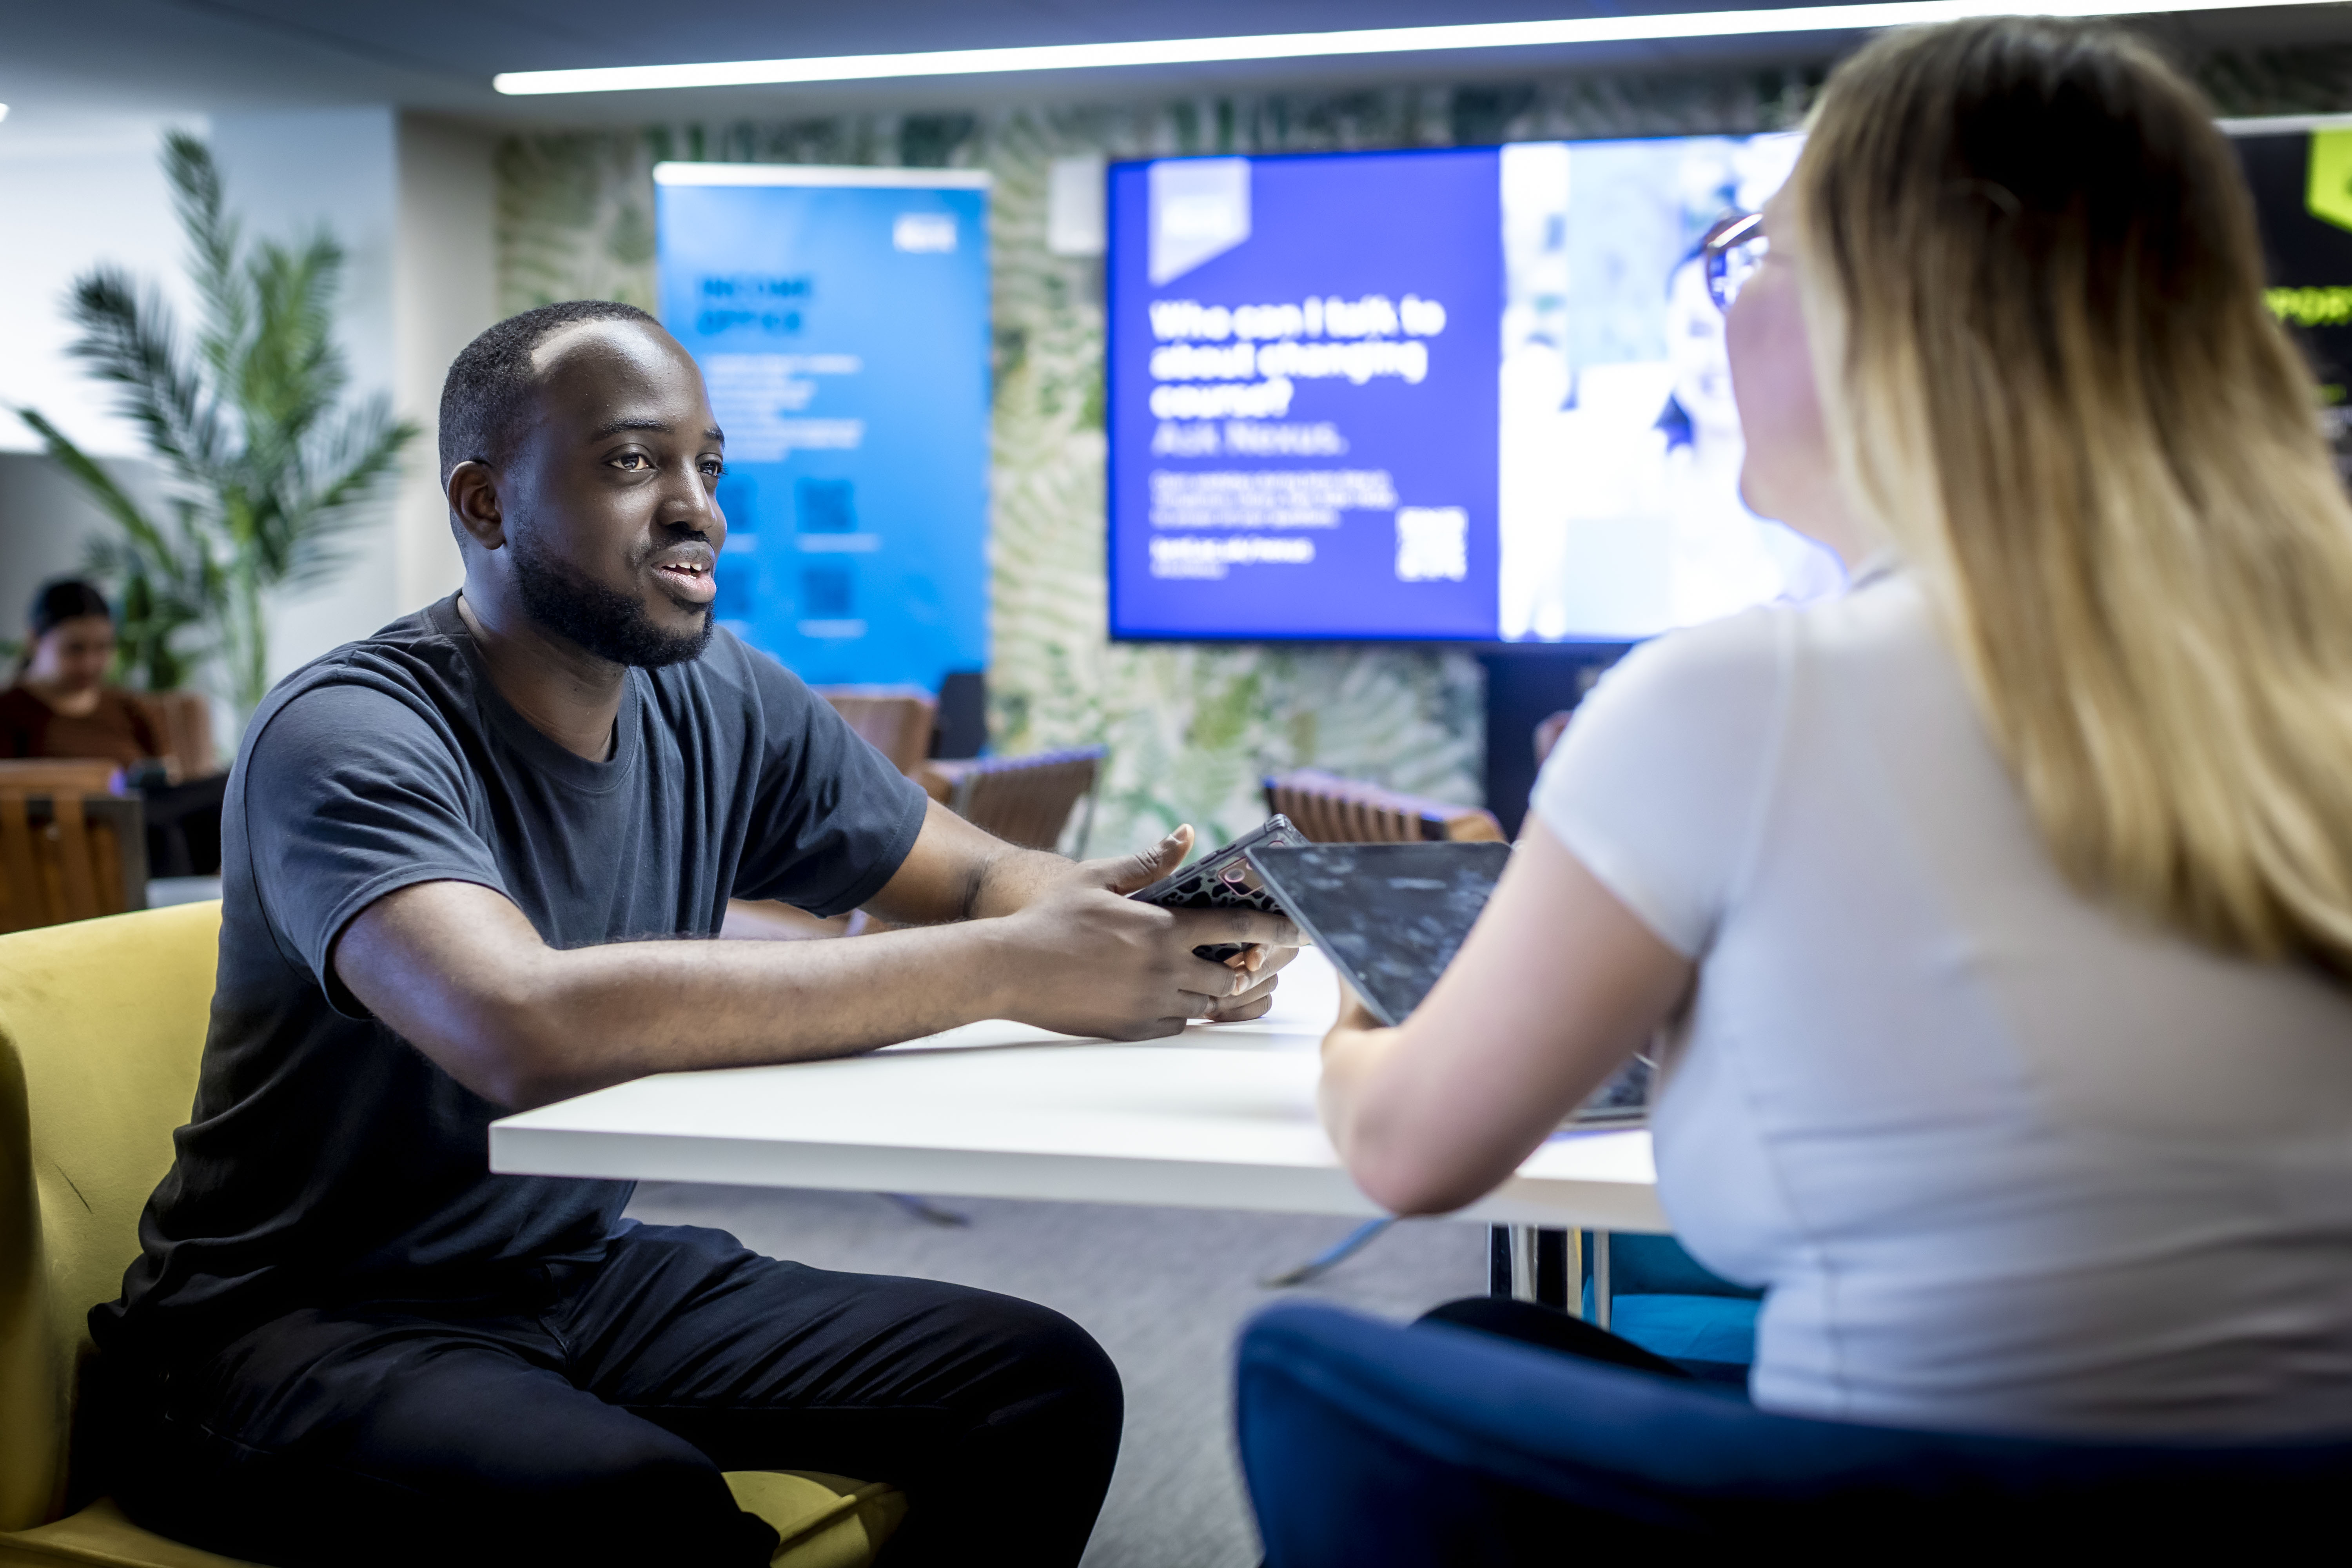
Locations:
1303 396
842 328
1467 396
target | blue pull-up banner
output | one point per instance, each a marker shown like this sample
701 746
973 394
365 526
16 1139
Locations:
840 316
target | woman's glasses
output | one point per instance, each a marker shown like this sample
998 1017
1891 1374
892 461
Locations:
1733 250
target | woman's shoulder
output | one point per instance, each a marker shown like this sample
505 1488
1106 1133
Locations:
1653 785
1661 783
1738 658
1723 690
1761 649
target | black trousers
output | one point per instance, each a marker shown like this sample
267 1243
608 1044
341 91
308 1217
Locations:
582 1414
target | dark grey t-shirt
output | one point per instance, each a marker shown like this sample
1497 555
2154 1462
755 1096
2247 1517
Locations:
327 1159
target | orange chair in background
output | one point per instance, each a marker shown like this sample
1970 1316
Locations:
1330 810
1022 800
70 848
896 721
184 721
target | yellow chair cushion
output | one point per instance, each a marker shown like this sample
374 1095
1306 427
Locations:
99 1534
825 1521
101 1027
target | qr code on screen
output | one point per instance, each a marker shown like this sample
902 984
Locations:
1433 544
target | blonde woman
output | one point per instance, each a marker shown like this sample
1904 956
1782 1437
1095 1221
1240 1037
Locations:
1998 915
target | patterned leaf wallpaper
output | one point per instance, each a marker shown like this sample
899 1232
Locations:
1191 727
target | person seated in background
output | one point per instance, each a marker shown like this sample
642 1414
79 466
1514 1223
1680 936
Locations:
476 863
1998 915
60 706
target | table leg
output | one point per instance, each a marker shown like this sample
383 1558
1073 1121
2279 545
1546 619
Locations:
1534 1263
1600 1284
1554 1270
1523 1262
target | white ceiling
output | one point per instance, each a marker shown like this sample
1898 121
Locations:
63 59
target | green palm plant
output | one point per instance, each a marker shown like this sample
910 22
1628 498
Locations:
267 469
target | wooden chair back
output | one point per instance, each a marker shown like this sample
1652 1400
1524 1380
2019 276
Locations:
1025 800
184 720
1330 810
895 719
68 850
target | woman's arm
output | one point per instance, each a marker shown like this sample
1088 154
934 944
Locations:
1557 984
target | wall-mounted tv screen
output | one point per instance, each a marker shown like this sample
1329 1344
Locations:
1466 395
1481 395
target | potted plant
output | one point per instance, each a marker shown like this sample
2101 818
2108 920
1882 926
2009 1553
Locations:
267 465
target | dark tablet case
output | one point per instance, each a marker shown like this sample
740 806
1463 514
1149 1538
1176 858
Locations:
1391 916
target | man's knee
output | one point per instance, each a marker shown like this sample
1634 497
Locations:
1056 1374
649 1501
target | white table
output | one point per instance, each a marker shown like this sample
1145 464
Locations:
1221 1117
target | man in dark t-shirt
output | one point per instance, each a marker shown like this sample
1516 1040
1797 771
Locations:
459 859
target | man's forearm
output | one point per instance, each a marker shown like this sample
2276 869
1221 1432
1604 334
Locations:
457 971
606 1015
1011 881
957 872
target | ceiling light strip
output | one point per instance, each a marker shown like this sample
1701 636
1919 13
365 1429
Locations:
1358 41
864 176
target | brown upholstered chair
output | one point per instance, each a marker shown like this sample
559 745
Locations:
1330 810
70 848
896 720
184 721
1022 800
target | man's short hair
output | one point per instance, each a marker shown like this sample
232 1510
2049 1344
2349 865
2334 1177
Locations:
490 382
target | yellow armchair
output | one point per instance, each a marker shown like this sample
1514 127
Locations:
101 1029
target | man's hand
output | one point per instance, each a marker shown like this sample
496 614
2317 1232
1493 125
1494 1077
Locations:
1098 962
1262 961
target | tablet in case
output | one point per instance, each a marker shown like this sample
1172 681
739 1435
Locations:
1391 916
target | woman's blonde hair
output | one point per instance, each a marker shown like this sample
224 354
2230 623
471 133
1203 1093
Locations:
2035 293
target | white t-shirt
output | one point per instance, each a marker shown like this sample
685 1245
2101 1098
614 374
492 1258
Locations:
2005 1159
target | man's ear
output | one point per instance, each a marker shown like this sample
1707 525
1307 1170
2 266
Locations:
474 510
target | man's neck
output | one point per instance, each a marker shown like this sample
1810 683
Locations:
566 693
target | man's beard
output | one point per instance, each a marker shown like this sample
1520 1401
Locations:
605 621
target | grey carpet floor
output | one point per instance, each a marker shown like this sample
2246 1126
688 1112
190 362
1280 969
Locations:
1164 1291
